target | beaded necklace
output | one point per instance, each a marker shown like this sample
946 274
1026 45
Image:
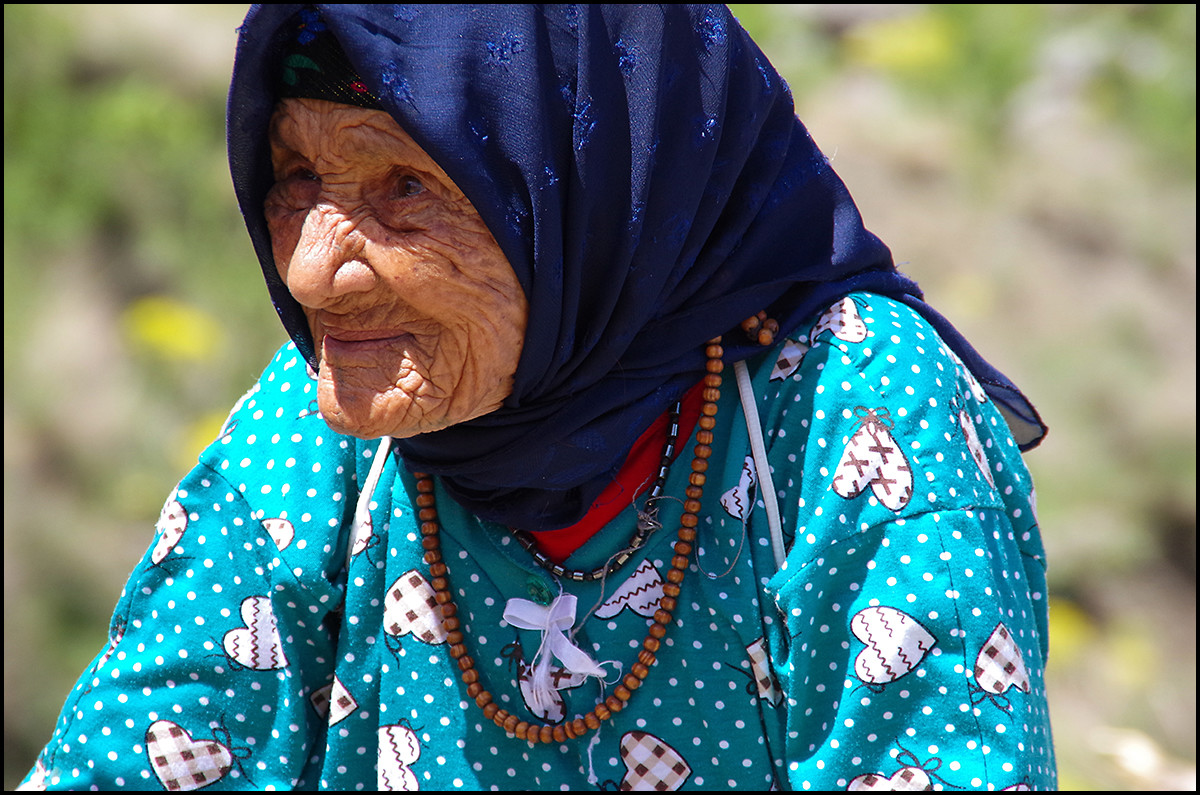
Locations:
583 724
647 521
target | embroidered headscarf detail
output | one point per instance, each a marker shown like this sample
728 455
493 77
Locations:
313 65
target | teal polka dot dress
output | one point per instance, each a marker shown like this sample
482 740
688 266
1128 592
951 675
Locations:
281 631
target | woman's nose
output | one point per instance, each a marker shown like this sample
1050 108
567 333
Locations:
327 263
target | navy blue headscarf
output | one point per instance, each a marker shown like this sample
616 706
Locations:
642 169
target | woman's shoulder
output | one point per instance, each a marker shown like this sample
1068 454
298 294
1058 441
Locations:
275 433
869 351
867 401
884 344
866 352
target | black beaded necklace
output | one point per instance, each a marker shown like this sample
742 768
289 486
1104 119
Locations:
646 525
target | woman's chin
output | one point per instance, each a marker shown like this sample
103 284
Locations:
364 418
371 427
367 413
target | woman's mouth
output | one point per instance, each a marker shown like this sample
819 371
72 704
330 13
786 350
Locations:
341 343
368 335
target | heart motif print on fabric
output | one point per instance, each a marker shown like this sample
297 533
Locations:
843 320
364 534
1000 665
412 609
341 703
651 764
975 447
256 645
760 669
320 700
906 779
172 524
641 593
183 763
896 644
281 532
873 458
736 501
548 705
398 748
788 360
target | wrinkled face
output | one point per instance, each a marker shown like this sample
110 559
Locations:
416 316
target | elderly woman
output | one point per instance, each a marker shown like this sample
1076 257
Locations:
609 449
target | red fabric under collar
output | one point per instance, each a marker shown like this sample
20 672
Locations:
635 478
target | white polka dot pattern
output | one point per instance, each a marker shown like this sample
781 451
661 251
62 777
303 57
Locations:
901 645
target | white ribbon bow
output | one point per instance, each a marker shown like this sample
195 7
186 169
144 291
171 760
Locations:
553 621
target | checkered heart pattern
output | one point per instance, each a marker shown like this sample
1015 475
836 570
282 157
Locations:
412 608
843 320
789 359
652 764
341 703
906 779
760 667
182 763
1000 665
320 700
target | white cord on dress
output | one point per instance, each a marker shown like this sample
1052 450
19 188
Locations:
766 487
362 510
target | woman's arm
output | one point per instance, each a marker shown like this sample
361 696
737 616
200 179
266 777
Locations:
221 647
913 595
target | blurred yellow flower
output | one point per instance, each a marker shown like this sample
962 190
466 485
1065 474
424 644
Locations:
172 329
917 42
200 433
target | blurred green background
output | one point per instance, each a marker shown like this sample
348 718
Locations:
1032 166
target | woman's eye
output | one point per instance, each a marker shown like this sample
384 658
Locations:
409 186
305 174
